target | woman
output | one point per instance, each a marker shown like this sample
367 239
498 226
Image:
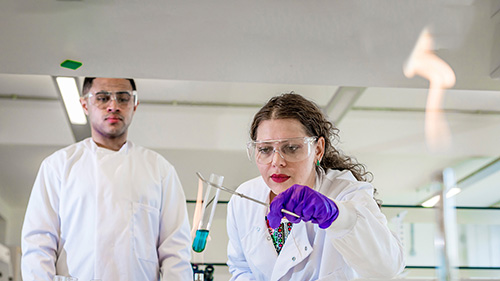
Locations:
340 234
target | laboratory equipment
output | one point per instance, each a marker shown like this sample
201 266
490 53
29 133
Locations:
219 186
209 273
200 240
207 213
206 274
199 275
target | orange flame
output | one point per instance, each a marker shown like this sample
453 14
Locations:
197 209
423 62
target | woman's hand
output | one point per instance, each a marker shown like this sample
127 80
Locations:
309 204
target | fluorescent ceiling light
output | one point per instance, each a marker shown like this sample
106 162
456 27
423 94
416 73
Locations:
453 191
433 200
71 99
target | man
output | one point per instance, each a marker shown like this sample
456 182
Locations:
105 208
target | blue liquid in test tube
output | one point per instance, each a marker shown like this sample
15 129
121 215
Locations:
207 213
200 240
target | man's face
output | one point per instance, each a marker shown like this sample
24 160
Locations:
109 117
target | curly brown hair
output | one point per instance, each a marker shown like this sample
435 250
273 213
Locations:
315 123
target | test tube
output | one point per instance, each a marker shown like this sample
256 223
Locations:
207 213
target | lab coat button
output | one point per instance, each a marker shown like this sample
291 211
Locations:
268 237
258 228
305 248
293 258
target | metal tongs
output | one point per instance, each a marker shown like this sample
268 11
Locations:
242 195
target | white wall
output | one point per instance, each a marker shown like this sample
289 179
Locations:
4 218
10 230
3 229
14 218
14 226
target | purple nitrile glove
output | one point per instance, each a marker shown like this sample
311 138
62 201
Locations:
309 204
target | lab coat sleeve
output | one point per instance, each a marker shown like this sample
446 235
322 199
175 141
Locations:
238 265
40 233
362 236
174 243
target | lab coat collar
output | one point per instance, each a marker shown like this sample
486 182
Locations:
90 143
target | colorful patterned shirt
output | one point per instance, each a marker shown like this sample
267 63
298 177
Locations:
279 234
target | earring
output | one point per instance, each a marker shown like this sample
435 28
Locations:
317 163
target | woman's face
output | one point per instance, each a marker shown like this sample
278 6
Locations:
280 174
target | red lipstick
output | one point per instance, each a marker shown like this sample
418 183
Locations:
279 178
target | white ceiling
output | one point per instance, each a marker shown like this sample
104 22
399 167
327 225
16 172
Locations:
203 68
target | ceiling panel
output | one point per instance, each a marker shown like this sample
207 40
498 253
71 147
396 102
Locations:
34 122
401 98
37 86
392 98
239 94
228 58
191 127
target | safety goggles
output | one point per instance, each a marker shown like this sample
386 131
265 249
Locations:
291 150
102 99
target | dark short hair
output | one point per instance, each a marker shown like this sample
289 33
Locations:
87 84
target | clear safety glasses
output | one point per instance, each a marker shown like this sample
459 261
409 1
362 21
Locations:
102 99
291 150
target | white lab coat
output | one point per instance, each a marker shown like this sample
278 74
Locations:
357 244
112 215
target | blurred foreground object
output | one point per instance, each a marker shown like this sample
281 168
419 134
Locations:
423 62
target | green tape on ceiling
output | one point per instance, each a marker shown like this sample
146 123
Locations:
71 64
